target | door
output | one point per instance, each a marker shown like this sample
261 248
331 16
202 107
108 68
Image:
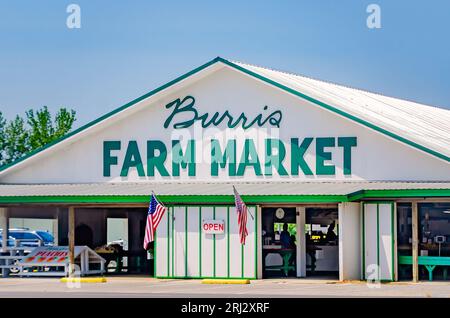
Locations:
379 240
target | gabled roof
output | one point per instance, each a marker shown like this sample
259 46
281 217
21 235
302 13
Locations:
422 127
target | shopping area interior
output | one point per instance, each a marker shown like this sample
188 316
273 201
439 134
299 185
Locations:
320 241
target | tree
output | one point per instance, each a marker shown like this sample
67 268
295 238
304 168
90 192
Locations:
19 137
43 130
2 137
16 139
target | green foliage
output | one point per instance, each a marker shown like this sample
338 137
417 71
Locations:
19 136
2 136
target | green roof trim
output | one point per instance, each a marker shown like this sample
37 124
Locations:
248 72
170 199
227 199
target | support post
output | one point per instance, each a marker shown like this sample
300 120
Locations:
4 225
349 241
301 242
415 242
71 240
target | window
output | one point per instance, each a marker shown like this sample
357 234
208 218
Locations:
434 229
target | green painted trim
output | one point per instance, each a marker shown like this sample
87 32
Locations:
168 241
256 242
397 193
214 245
154 253
186 241
200 233
378 240
173 199
335 110
228 242
242 260
392 241
173 240
115 111
225 199
364 240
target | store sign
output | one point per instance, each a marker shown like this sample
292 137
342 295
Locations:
264 156
213 226
186 107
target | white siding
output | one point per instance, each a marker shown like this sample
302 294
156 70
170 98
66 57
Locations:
379 238
179 243
349 244
193 236
221 242
162 241
205 255
250 243
385 244
207 245
235 246
370 231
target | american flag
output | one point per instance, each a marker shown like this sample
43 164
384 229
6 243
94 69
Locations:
241 210
155 213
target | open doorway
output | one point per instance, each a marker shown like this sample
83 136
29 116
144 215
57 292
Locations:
321 238
279 233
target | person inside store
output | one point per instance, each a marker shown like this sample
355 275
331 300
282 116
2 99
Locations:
331 236
285 237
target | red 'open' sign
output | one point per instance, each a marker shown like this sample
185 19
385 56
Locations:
213 226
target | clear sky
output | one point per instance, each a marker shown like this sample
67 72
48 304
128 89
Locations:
127 48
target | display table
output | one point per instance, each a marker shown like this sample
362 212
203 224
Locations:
430 263
285 253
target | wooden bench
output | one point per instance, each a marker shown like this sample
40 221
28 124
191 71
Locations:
430 263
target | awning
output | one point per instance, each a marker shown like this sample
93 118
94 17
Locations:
219 192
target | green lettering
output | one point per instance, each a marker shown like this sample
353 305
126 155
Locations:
297 156
109 160
220 159
186 160
156 162
249 158
132 159
322 156
347 143
275 160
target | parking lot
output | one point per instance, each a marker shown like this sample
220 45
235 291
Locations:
150 287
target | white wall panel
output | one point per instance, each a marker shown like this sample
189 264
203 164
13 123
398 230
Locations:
349 244
370 237
221 241
193 236
235 246
249 247
379 239
183 250
162 242
385 244
179 241
207 245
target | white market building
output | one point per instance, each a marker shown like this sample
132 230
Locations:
301 152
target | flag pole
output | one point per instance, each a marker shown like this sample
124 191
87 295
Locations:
235 191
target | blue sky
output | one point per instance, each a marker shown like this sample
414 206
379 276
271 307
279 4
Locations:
127 48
